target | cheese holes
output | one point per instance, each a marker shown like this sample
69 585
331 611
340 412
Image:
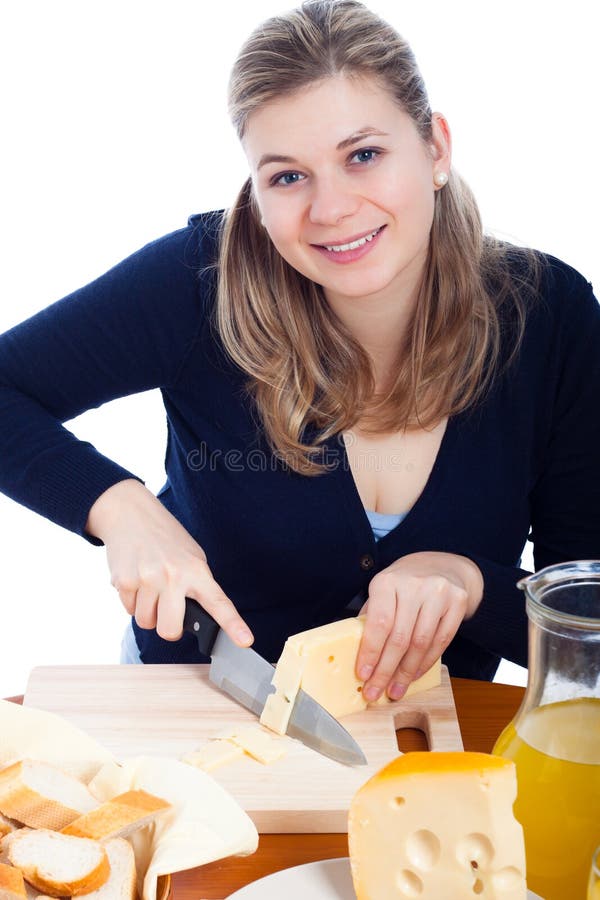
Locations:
475 851
507 879
423 850
409 884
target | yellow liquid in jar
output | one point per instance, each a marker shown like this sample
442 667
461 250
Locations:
557 755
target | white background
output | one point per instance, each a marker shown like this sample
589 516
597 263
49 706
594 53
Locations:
114 129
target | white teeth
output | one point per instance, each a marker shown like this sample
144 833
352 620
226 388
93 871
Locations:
340 248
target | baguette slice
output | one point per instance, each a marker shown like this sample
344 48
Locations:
57 864
118 817
12 886
42 796
121 884
7 825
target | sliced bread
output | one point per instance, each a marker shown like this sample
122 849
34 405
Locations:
57 864
118 817
7 825
42 796
121 884
12 886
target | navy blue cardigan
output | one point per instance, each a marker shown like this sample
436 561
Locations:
290 550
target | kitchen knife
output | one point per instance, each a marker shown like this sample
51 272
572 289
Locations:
246 676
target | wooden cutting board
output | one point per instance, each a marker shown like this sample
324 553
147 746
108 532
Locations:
169 710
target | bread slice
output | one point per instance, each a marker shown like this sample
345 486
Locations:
12 886
57 864
121 884
42 796
118 817
7 825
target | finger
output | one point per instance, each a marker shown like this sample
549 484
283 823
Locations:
146 600
210 595
127 598
170 613
436 635
412 661
126 589
380 614
394 650
447 628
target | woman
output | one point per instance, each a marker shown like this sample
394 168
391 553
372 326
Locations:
370 404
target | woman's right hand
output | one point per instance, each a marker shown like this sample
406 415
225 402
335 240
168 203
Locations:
155 563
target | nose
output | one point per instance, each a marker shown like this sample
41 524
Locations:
333 199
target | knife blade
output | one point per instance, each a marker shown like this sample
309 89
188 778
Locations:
246 676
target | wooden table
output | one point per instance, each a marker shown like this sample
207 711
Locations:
483 711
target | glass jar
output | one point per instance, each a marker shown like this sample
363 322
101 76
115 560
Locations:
554 738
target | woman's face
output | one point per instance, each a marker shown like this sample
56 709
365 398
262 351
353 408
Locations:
345 187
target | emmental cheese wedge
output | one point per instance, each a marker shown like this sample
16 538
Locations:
322 662
438 825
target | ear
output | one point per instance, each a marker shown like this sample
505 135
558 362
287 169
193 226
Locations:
441 142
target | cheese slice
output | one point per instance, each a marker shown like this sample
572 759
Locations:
233 743
438 824
322 662
213 754
257 742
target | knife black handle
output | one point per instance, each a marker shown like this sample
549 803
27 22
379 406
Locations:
199 622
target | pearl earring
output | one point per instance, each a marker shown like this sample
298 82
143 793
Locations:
440 179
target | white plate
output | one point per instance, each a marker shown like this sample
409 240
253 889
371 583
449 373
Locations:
328 879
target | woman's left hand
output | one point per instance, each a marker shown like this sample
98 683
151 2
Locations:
413 611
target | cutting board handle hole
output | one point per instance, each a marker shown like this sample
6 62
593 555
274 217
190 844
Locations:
411 739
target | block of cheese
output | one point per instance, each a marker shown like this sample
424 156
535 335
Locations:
322 662
438 824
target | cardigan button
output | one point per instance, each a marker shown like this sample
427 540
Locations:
367 562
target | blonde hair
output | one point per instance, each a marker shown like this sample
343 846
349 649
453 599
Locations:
304 367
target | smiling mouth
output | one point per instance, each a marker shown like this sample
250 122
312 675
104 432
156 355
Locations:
352 245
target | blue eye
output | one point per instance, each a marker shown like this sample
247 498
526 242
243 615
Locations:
287 178
367 155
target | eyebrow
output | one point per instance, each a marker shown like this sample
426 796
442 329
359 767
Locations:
355 138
